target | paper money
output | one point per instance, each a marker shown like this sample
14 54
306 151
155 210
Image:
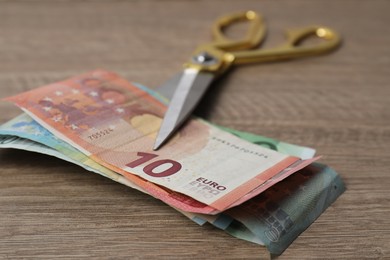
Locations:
277 216
303 184
114 124
24 133
14 132
268 224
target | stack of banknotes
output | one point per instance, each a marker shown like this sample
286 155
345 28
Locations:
253 187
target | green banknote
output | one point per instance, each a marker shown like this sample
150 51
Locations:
278 215
291 149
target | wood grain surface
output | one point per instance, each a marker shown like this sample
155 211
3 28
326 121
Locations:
338 104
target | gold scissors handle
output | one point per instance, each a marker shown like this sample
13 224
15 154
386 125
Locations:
219 55
252 39
292 49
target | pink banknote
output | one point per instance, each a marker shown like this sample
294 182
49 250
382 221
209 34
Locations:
201 169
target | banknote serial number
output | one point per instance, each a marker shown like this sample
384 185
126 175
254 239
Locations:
100 134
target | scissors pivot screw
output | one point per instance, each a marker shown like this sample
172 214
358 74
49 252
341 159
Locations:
204 58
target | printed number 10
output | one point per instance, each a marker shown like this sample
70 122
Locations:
150 169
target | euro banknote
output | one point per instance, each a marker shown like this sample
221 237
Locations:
277 216
114 123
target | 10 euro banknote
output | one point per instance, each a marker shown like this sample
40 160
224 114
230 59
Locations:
202 169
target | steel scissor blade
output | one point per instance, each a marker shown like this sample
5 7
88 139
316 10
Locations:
190 89
168 88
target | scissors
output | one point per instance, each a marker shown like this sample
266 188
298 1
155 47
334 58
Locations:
211 60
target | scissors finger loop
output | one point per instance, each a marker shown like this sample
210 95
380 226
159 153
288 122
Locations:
298 36
293 47
253 38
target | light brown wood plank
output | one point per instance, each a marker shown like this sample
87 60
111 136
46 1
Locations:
338 104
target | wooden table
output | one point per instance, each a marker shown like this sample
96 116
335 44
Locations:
338 104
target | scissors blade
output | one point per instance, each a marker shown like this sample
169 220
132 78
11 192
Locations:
168 88
190 89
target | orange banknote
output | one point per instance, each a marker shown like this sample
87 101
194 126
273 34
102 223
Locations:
201 169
